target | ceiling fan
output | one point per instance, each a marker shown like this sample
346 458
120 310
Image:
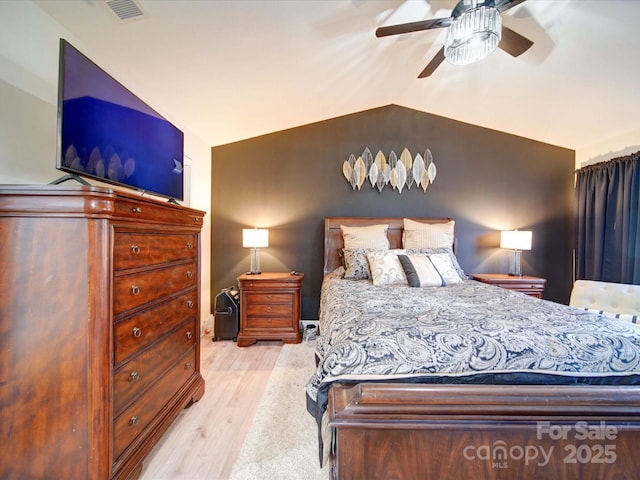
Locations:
474 30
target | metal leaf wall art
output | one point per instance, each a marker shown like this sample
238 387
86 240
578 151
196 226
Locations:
399 173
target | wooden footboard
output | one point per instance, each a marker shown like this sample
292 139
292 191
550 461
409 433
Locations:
401 431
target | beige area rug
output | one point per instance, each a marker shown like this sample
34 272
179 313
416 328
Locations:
282 441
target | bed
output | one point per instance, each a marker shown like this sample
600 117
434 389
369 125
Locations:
467 380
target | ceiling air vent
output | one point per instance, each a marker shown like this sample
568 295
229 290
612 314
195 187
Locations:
126 10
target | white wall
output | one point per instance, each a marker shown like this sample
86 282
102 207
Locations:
29 41
624 144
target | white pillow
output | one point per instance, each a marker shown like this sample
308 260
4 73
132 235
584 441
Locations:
427 235
445 267
386 268
447 250
420 271
371 236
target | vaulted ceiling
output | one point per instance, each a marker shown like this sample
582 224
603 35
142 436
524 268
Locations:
229 70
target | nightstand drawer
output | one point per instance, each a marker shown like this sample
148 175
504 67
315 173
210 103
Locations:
519 286
276 310
271 297
268 322
532 286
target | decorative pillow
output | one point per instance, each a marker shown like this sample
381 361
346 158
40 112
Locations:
356 265
371 236
629 317
386 268
445 267
427 235
420 271
448 251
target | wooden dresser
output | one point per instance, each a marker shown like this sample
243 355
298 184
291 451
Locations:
269 308
99 328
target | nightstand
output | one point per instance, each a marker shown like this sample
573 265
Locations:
533 286
269 308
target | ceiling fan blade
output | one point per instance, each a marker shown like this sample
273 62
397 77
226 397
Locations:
433 64
513 43
503 5
413 27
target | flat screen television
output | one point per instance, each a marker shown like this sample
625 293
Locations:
107 133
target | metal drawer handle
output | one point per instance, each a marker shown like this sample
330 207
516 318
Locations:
134 377
268 309
135 249
188 366
136 332
189 274
136 210
196 219
135 290
190 305
189 245
133 421
189 335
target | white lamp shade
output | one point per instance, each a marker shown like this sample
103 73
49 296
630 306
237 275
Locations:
515 239
255 237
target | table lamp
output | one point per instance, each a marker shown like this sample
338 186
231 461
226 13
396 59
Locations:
255 238
516 241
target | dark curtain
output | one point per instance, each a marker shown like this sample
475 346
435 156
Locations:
607 221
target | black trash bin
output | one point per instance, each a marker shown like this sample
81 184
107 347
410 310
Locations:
227 315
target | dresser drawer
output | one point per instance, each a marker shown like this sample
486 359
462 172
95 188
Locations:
136 289
265 309
136 332
268 322
134 420
132 209
138 374
139 249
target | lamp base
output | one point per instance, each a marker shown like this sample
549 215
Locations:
515 268
255 263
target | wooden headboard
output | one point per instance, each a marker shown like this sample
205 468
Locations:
333 235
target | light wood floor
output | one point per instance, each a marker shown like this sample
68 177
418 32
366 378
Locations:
205 440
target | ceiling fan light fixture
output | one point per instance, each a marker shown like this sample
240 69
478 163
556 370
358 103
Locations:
473 35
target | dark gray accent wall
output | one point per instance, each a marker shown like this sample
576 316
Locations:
288 181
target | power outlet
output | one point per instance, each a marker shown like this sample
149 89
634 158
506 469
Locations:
309 330
304 323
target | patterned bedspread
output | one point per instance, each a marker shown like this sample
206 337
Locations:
465 333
